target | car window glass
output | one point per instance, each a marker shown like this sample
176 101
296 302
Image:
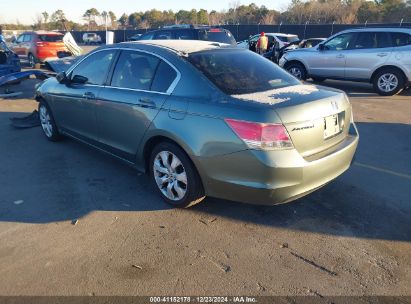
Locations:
134 70
27 38
148 36
95 67
164 35
239 71
184 35
51 38
20 38
339 43
254 38
164 77
372 40
217 35
400 39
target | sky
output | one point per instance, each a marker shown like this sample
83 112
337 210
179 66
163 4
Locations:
25 11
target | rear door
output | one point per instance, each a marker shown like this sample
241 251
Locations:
330 61
139 86
370 51
17 46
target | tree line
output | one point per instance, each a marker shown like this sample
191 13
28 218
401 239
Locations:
298 12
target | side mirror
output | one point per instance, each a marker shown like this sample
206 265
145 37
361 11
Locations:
321 47
78 79
61 77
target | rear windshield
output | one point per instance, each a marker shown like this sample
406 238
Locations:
217 35
237 71
51 38
288 39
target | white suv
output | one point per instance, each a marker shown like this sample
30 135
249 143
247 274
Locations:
381 56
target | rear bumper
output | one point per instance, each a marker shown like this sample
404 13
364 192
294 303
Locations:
275 177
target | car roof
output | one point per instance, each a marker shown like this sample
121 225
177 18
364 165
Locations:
379 29
181 46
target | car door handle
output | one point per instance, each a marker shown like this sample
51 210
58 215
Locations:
340 56
382 54
89 95
146 103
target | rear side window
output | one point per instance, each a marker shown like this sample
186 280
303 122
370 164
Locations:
147 36
184 34
400 39
165 76
217 35
240 71
95 67
51 38
164 35
372 40
134 70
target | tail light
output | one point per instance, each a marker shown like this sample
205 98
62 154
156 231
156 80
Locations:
40 44
261 135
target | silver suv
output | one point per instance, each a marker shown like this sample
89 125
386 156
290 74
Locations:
381 56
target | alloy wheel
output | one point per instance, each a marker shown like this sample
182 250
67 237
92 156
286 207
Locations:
45 121
296 72
387 82
170 175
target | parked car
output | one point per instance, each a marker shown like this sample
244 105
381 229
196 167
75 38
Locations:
275 53
9 61
191 32
203 120
91 38
39 46
273 38
381 56
135 37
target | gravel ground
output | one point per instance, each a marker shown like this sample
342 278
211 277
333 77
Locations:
74 221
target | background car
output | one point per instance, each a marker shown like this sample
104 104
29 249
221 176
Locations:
9 61
273 38
39 46
381 56
91 38
191 32
202 120
135 37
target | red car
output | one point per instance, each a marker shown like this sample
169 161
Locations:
39 46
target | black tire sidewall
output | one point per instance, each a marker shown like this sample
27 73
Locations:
55 133
300 67
194 186
400 87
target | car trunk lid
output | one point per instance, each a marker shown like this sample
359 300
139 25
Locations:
315 119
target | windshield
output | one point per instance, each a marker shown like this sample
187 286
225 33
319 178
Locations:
288 38
51 38
217 35
237 71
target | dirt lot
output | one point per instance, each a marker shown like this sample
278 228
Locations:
74 221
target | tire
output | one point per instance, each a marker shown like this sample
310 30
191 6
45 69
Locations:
297 70
318 79
32 60
47 122
388 82
175 176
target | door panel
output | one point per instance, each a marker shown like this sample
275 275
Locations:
370 51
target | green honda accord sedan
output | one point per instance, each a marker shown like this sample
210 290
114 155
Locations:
203 119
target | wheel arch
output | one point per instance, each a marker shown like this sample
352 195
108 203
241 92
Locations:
387 67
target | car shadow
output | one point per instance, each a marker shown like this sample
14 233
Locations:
43 182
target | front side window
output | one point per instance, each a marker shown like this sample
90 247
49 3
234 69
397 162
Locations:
372 40
339 43
95 67
27 38
135 70
240 71
400 39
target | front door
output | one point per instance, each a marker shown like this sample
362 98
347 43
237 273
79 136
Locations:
73 103
329 60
